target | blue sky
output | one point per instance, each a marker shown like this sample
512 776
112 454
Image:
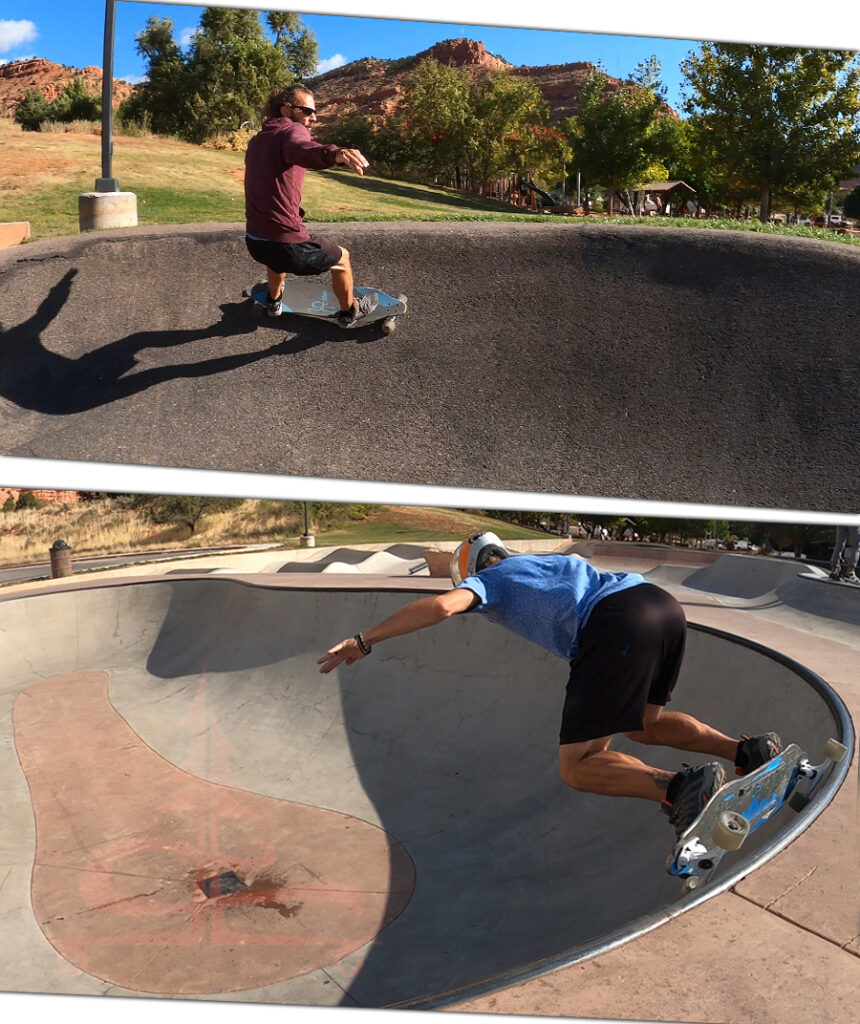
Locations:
72 33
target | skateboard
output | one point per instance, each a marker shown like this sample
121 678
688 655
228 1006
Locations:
742 806
313 299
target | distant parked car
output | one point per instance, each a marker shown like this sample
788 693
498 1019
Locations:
837 220
802 222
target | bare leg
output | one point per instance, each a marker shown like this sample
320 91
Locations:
592 768
342 281
683 732
276 283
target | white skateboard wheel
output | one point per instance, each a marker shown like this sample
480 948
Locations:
730 830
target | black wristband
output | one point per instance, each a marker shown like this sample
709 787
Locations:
362 646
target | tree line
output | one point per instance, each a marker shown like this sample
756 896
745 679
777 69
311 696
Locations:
812 539
764 125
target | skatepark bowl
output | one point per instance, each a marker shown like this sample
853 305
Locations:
191 809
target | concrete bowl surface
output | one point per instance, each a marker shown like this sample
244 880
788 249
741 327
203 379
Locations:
191 809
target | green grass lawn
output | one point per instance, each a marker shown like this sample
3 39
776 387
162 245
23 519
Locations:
42 175
408 525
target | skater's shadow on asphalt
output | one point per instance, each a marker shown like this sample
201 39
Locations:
35 378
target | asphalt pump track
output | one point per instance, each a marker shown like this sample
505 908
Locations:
563 358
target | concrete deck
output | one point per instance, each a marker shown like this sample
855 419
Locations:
560 343
163 732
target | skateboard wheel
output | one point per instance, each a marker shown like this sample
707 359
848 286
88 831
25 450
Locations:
402 300
834 750
388 326
730 830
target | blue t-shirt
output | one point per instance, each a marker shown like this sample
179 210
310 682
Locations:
545 598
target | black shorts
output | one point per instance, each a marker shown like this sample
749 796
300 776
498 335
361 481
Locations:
629 655
315 256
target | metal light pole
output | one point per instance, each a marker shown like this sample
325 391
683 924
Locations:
106 206
307 540
107 183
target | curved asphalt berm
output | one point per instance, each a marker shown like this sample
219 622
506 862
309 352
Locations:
634 362
399 827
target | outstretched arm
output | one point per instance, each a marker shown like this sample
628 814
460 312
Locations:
352 158
426 611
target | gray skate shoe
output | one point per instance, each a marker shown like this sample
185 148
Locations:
689 791
362 306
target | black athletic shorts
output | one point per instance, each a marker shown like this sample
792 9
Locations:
315 256
629 655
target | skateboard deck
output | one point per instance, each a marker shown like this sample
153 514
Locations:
743 805
828 580
312 298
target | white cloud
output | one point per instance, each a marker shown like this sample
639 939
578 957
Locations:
14 33
187 34
131 79
337 61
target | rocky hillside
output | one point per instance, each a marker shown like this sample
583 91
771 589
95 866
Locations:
50 497
43 76
375 87
369 86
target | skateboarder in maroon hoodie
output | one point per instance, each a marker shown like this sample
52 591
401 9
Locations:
275 165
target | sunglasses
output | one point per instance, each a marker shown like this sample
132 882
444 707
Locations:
307 111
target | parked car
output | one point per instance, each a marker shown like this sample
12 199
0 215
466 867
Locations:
802 221
837 220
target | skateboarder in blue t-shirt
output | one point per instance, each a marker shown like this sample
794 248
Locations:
624 639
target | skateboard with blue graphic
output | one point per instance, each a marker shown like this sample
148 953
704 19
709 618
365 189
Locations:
312 298
742 806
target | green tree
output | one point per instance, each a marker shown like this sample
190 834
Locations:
507 115
160 100
26 499
777 118
648 75
852 204
223 79
232 68
76 103
619 136
384 143
298 43
437 121
32 111
182 509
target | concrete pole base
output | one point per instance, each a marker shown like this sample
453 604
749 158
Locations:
308 541
100 210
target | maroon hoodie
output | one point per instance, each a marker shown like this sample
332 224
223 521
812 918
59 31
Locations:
275 164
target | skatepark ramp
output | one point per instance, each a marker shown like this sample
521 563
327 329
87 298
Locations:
202 812
646 362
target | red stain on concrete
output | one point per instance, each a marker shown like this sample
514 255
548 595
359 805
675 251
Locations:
131 877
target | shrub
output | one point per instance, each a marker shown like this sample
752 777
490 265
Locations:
32 111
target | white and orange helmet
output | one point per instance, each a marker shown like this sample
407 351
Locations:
474 554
